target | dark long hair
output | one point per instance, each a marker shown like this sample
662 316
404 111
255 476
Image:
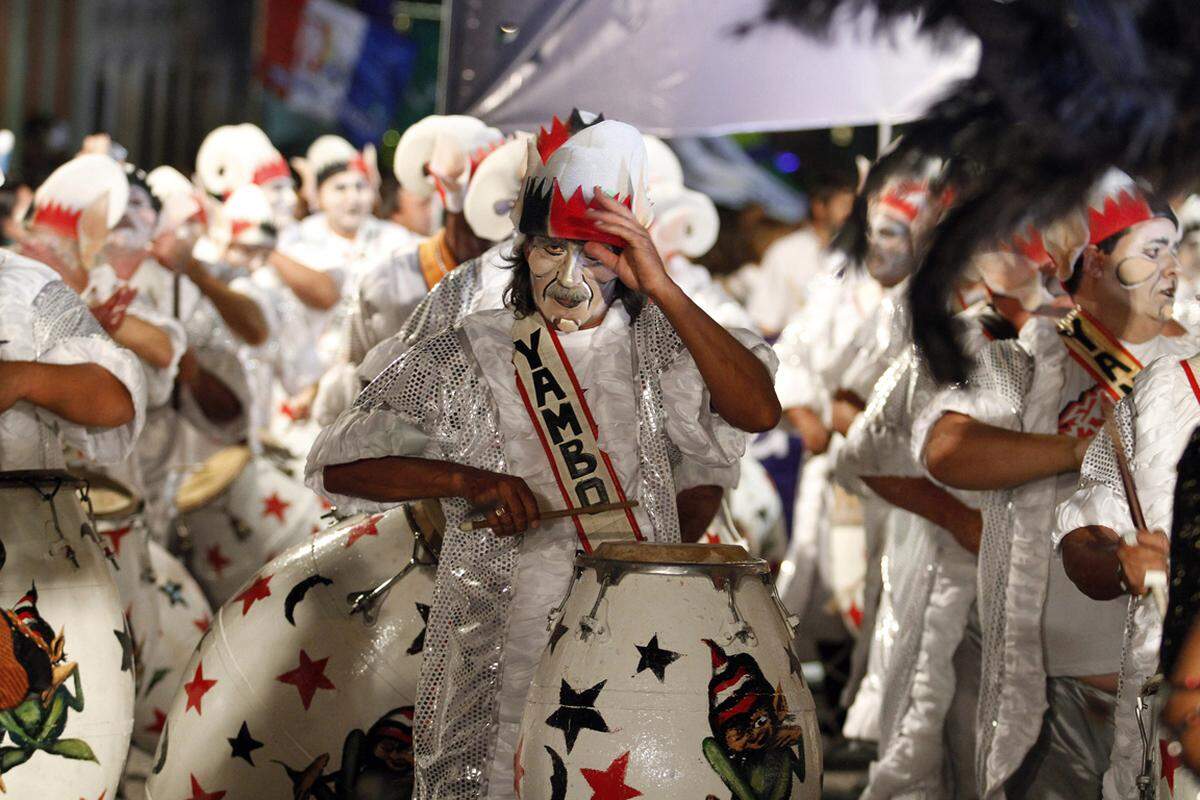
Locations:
519 294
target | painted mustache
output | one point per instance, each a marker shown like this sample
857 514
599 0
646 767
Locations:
568 297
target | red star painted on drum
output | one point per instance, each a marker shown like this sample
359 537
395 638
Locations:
217 560
609 784
160 719
307 678
365 528
711 538
289 412
198 792
273 506
196 689
325 504
101 797
1169 764
258 590
115 537
202 623
518 768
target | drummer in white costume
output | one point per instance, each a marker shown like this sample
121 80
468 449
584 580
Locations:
1019 430
585 266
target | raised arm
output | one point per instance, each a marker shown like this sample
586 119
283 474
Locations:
85 394
314 288
241 313
741 387
968 454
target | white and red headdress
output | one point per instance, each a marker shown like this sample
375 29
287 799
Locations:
59 203
178 197
233 155
1116 203
494 188
331 155
563 170
247 217
265 163
685 221
453 145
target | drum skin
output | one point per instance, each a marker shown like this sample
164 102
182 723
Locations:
290 688
261 514
75 744
663 698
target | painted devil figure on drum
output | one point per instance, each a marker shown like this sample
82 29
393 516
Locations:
577 393
66 691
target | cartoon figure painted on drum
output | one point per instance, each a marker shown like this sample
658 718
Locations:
34 700
376 765
754 747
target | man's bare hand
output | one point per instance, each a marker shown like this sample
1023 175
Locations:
510 505
810 428
639 265
1150 553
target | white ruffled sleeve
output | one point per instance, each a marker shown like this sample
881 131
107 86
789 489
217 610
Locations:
973 401
1100 497
100 445
710 446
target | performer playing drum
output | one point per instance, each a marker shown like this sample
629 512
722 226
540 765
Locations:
578 393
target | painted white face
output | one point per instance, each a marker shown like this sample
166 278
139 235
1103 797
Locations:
1147 268
890 249
346 198
127 244
281 194
571 289
247 257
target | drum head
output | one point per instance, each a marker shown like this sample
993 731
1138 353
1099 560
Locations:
215 476
430 521
647 553
110 499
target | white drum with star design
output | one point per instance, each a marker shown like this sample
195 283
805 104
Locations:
308 674
669 674
66 658
238 511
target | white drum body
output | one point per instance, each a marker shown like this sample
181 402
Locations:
262 513
292 687
670 678
66 659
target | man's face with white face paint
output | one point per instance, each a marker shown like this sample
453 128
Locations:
570 289
281 194
346 198
127 244
1146 269
890 249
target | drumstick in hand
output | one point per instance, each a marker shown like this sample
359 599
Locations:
1155 580
555 513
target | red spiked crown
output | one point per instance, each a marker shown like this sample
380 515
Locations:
275 168
1119 212
1030 244
550 140
63 221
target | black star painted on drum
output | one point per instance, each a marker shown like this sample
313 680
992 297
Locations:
418 643
577 712
174 593
243 745
655 659
559 630
126 642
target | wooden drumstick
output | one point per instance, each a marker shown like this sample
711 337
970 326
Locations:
1155 580
555 513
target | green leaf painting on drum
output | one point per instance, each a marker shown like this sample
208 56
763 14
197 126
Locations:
755 747
34 699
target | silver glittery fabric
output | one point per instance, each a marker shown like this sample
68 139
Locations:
58 315
437 387
1005 369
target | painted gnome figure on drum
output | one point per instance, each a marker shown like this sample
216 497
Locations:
577 393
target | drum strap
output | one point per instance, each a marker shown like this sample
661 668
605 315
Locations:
1191 376
436 258
568 433
1099 353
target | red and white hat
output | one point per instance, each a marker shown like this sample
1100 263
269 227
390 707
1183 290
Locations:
737 686
221 164
179 197
247 217
59 203
563 170
332 155
264 162
454 138
494 188
1116 203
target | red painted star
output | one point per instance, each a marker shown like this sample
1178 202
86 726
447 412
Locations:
307 678
1170 763
256 591
217 560
197 689
712 538
366 528
115 537
325 504
609 784
160 719
518 768
273 506
202 623
198 792
101 797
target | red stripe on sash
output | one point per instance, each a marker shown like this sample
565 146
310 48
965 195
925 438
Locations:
1191 376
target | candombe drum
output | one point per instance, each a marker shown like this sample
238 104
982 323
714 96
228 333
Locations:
66 658
238 511
307 678
669 674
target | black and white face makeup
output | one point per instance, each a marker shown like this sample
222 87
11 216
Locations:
346 198
1147 267
570 289
890 247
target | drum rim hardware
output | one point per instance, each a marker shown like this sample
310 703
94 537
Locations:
425 554
57 478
